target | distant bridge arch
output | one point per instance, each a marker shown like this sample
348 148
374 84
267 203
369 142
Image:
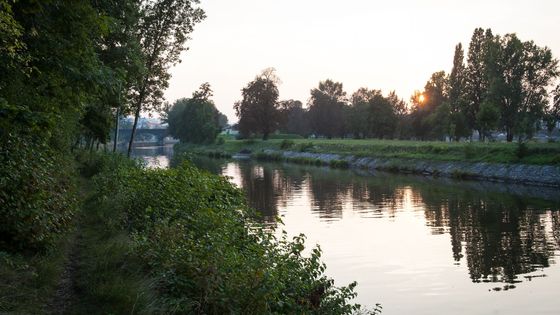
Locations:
144 135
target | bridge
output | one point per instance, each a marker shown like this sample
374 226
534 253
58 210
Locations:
156 136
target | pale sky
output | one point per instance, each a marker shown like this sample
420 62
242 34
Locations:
387 45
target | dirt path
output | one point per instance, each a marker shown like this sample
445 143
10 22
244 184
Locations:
65 294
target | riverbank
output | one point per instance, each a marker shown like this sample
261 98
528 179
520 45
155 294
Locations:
167 241
527 163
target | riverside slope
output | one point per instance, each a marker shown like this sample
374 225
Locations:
540 175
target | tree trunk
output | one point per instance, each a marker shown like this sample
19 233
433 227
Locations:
509 135
136 116
265 136
116 130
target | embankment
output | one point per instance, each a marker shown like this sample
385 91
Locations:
541 175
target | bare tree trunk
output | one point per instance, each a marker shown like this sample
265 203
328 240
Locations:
509 134
116 130
136 116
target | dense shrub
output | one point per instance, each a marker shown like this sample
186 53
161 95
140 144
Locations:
521 150
286 144
194 232
37 199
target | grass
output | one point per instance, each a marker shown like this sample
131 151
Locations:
28 282
106 277
509 153
109 276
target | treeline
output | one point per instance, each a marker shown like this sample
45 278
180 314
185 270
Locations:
68 70
504 85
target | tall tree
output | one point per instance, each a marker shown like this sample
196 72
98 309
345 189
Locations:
457 105
359 112
426 104
258 112
400 108
520 74
476 81
382 117
326 107
552 116
293 118
164 27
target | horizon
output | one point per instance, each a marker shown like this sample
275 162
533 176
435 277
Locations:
318 40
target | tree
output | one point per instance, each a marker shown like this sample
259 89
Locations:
400 108
487 118
359 112
258 112
476 81
519 74
457 104
195 119
381 118
326 109
163 29
293 118
552 115
427 103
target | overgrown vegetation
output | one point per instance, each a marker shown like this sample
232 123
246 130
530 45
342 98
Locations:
37 195
195 236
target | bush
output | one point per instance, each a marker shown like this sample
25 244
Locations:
195 234
521 150
469 151
286 144
37 194
305 146
339 164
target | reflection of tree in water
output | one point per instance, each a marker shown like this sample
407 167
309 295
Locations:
258 184
332 190
501 236
267 187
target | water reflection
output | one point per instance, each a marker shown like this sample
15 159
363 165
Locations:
499 235
153 156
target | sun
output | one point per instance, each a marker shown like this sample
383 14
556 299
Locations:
421 98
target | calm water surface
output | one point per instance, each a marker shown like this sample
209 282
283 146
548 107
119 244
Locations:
416 245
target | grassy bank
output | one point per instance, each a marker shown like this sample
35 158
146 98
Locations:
509 153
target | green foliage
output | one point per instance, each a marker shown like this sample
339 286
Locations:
194 234
163 28
37 199
289 136
469 150
305 146
521 150
195 120
493 152
339 164
326 109
286 144
258 112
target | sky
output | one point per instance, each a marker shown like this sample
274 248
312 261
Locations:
387 45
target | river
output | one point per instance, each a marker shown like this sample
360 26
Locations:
417 245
